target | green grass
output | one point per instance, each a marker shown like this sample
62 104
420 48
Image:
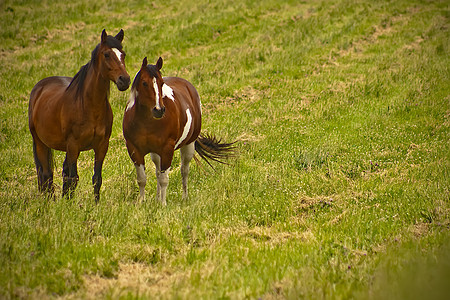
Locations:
341 186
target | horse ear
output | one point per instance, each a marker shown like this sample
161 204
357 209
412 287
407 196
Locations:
144 63
119 36
104 35
159 63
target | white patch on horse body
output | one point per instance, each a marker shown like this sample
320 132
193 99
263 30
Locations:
167 92
155 87
117 53
131 100
133 96
186 128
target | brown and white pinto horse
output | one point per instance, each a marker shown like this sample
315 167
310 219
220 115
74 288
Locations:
163 115
74 114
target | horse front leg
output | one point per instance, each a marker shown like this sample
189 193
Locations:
139 164
157 161
70 172
162 175
141 180
100 153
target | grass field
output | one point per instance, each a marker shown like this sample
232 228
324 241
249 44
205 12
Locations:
341 110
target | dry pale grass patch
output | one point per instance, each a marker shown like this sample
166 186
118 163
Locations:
139 278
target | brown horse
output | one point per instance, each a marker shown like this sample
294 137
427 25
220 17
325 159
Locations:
74 114
163 115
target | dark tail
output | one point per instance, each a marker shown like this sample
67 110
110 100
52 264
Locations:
36 159
39 169
211 148
37 163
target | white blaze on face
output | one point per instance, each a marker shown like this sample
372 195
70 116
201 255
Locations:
155 87
167 92
118 54
186 128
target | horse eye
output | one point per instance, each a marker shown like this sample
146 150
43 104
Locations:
144 83
107 55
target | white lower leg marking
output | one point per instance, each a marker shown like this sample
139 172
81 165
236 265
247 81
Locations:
157 161
163 179
186 129
140 172
187 152
141 179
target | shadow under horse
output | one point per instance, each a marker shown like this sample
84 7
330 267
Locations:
74 115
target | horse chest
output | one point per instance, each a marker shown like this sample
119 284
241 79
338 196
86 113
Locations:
149 135
159 136
89 136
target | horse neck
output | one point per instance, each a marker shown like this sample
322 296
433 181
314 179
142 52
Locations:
96 88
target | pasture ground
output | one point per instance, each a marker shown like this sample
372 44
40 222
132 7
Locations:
341 186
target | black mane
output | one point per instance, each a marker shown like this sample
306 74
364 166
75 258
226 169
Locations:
79 78
136 80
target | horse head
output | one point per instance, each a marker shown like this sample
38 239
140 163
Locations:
111 58
149 87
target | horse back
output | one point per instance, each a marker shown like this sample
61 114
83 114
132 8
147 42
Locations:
185 90
48 89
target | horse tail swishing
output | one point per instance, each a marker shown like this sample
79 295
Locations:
74 114
211 148
163 115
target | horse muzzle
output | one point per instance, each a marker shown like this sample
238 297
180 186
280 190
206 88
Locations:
123 82
158 113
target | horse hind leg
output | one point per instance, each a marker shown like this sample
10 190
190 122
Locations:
43 160
142 180
100 154
157 161
163 179
187 153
